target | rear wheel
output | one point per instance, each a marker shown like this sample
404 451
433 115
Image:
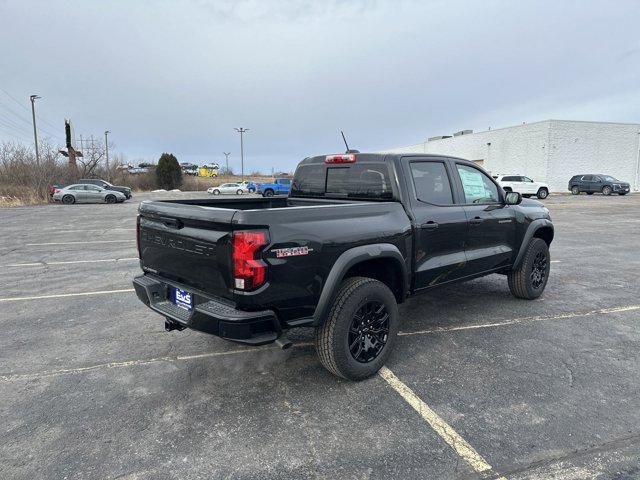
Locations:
575 190
360 331
268 193
530 279
68 199
543 193
110 199
606 190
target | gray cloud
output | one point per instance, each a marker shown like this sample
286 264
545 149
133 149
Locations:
178 76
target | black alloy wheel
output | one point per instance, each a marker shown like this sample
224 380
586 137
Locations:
369 331
539 270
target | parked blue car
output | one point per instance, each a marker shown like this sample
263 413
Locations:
281 186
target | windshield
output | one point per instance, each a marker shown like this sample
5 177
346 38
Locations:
369 181
609 178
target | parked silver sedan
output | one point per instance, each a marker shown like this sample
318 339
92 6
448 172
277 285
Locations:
84 193
235 188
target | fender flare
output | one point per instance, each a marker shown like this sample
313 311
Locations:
528 235
347 260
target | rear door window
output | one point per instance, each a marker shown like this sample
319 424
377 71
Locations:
431 182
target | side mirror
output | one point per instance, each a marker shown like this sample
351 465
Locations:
513 198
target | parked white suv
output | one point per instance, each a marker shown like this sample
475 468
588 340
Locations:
523 185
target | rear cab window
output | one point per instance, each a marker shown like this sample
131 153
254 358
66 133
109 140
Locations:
367 180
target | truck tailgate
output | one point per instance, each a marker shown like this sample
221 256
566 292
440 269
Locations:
187 244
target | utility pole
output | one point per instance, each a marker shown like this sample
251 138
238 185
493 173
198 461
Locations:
226 154
242 131
106 151
35 131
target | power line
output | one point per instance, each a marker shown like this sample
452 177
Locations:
27 122
26 108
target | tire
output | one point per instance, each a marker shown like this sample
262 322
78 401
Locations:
370 301
216 192
110 199
269 193
542 193
68 200
606 190
575 190
530 279
238 192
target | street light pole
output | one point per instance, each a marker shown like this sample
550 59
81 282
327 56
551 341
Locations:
242 131
106 151
35 131
226 155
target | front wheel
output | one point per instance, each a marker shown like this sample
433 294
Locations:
575 190
110 199
360 331
238 192
543 193
606 190
216 192
530 279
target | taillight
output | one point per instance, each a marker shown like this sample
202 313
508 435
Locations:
138 236
57 190
342 158
249 271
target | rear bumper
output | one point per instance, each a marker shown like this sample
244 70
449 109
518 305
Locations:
209 315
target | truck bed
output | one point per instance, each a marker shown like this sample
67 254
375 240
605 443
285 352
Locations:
189 242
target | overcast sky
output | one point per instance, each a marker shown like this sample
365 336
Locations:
177 76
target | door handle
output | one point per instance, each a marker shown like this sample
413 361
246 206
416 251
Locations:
430 225
476 221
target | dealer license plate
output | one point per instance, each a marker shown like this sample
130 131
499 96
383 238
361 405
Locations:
183 299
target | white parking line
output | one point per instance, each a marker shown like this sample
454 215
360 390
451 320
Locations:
126 363
46 264
515 321
129 363
442 428
80 243
65 295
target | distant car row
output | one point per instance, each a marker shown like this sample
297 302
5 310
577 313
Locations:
84 193
280 186
89 190
589 184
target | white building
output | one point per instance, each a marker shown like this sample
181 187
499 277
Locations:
550 151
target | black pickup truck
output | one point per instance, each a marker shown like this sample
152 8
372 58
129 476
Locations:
356 236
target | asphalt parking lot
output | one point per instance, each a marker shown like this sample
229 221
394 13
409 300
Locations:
482 385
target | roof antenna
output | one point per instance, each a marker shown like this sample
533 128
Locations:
347 145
